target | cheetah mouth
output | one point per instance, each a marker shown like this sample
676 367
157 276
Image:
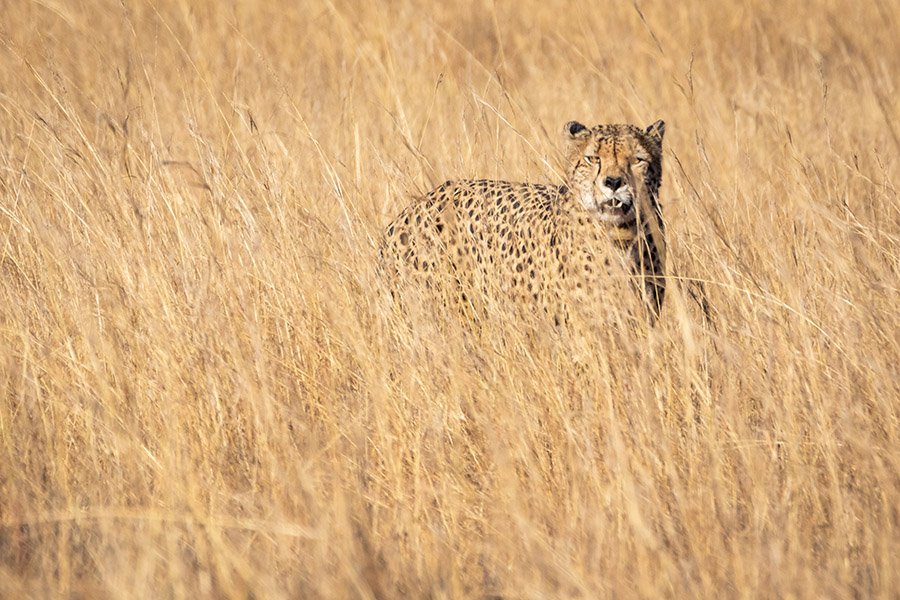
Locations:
617 211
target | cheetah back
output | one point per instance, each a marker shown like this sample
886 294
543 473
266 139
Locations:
523 244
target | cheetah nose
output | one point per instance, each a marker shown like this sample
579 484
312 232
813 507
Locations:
613 183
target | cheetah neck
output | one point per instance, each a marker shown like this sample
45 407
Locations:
645 231
623 235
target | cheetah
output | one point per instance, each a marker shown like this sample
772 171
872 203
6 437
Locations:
548 248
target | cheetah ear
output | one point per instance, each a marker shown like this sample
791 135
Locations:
656 131
575 130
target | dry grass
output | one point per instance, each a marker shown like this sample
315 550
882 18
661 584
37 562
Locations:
203 394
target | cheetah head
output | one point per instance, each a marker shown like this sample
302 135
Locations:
615 170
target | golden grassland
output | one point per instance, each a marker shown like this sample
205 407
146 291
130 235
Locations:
205 393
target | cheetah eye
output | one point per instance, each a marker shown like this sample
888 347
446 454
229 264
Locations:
641 160
591 160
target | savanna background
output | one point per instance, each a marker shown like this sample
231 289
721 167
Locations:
204 392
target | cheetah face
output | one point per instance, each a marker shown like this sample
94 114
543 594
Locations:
612 167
